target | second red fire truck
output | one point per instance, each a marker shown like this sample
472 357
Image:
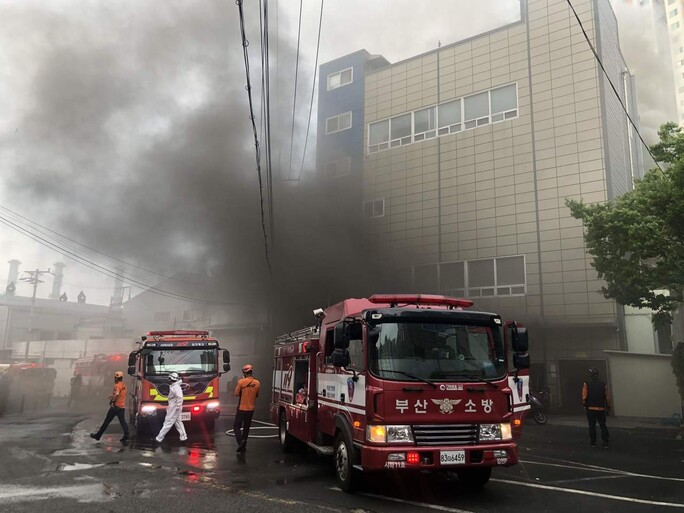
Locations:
195 357
404 382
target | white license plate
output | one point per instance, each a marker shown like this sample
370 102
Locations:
186 415
452 457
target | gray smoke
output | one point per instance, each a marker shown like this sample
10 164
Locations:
134 138
644 45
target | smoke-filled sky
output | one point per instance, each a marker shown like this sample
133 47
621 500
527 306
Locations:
124 125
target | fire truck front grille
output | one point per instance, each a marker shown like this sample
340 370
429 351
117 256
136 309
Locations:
446 434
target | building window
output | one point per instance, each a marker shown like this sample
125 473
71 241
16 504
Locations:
674 26
493 106
374 208
190 315
400 130
501 276
337 168
338 123
476 110
424 124
378 136
449 117
504 102
673 12
162 317
340 78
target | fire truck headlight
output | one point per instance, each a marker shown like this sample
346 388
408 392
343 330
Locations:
213 405
490 432
148 410
377 434
399 434
389 434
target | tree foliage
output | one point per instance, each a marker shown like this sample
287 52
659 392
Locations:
637 240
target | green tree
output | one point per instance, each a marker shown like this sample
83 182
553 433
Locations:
637 240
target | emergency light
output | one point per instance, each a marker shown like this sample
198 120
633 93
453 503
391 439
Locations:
420 299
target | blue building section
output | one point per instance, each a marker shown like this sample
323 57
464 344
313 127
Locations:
340 144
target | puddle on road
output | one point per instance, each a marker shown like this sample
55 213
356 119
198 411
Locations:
85 493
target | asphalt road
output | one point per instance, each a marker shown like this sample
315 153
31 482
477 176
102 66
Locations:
49 464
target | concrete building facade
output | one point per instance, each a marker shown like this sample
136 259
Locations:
470 153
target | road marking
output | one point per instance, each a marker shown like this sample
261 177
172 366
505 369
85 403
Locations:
591 494
402 501
596 468
230 432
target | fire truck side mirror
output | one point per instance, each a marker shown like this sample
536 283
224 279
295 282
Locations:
226 356
131 359
340 358
131 370
521 360
341 337
519 340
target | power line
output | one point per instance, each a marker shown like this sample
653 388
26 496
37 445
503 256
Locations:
100 268
313 90
269 163
598 59
129 264
294 101
245 44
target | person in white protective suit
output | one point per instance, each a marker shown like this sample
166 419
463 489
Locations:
173 410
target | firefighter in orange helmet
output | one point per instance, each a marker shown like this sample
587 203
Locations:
247 390
117 408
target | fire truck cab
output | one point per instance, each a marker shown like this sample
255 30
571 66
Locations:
404 382
195 357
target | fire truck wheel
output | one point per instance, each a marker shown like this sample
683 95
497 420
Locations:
475 477
347 478
286 439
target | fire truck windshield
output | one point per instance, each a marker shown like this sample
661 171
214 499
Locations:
435 352
183 361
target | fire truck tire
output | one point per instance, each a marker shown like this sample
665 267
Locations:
347 477
474 477
287 441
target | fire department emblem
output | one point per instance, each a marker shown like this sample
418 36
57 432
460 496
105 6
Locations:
446 405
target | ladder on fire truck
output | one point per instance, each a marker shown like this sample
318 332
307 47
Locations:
299 335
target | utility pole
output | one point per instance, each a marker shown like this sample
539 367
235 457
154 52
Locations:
34 279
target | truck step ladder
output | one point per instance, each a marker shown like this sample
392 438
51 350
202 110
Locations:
323 450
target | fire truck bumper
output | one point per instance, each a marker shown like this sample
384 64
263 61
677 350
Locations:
192 412
438 457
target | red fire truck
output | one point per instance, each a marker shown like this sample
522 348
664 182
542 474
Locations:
404 382
195 357
97 375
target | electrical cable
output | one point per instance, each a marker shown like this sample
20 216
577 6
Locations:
294 101
161 275
313 90
598 59
245 44
269 164
102 269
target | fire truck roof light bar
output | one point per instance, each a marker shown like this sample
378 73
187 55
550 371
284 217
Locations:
420 299
178 332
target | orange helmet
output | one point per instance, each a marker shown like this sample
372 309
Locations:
118 375
247 368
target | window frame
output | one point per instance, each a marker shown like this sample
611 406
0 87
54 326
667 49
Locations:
373 203
460 126
339 116
339 73
337 163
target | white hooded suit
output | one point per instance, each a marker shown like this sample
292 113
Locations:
173 412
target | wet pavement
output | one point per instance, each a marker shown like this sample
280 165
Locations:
51 464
